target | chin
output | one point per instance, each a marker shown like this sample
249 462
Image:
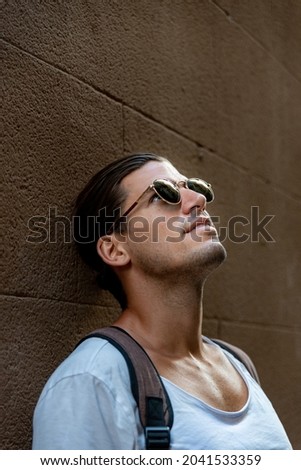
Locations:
219 250
214 255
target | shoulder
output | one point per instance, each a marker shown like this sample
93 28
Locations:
95 360
87 392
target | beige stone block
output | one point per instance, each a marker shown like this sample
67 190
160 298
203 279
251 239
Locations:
156 57
258 111
142 134
58 133
210 328
275 26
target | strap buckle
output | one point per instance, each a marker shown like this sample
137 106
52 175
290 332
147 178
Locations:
157 437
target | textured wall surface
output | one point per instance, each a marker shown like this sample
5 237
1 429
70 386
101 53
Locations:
213 85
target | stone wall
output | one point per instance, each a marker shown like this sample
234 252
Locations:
212 84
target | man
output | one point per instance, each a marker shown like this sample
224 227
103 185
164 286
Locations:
144 227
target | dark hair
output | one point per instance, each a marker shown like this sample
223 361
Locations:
96 208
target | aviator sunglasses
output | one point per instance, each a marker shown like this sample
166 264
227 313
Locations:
169 192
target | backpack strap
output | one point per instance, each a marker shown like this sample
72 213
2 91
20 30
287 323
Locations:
241 356
153 402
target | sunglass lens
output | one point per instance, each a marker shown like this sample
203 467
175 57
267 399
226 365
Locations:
167 191
201 187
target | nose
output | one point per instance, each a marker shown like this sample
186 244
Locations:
192 200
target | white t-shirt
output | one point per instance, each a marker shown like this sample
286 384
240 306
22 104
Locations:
87 404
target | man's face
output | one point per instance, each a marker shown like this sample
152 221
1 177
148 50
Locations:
163 238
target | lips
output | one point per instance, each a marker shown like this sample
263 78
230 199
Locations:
203 221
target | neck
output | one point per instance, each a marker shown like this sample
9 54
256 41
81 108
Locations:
165 318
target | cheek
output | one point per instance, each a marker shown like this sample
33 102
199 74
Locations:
138 230
157 229
167 230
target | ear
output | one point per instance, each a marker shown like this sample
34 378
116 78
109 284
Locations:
111 251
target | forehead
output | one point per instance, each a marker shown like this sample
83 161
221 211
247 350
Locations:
137 181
